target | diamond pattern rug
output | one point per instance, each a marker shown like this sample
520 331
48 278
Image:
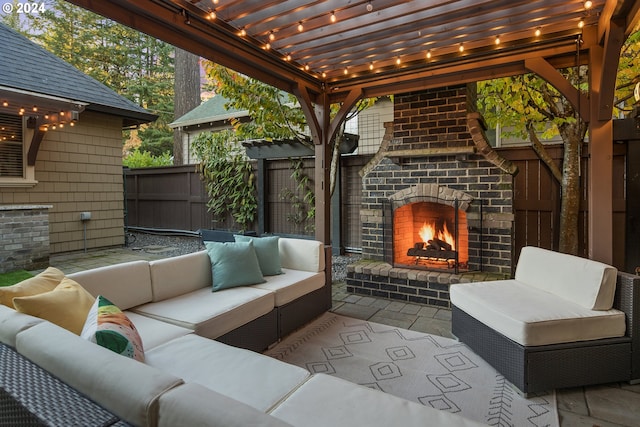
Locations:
432 370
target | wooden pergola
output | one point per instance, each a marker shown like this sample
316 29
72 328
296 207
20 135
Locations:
330 51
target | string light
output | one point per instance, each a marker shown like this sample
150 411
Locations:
5 103
538 32
272 36
371 66
461 47
211 15
243 32
346 71
497 40
300 27
398 61
429 54
287 58
369 6
581 24
588 4
333 17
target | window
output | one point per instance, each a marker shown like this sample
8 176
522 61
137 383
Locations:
11 147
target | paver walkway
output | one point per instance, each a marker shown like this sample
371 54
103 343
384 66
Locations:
603 406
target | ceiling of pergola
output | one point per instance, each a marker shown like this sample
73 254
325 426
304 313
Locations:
395 46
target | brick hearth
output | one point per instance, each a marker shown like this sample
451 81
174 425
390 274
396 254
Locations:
379 279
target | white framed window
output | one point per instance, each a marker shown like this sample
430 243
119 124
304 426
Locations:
14 137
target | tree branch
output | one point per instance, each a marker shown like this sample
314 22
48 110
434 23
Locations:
542 153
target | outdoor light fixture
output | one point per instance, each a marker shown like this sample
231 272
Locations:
369 6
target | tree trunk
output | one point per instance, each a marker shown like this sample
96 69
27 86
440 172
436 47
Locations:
187 94
570 206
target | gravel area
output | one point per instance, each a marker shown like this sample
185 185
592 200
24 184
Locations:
180 245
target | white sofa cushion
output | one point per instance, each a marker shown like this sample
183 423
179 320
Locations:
13 322
329 401
194 405
179 275
301 254
586 282
126 285
211 314
100 374
291 284
155 332
252 378
530 316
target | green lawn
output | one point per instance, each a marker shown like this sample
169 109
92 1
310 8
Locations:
7 279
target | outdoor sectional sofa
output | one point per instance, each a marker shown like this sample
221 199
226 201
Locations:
563 321
191 375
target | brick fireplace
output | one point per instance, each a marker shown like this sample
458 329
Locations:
428 173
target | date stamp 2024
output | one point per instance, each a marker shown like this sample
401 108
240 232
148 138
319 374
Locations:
23 8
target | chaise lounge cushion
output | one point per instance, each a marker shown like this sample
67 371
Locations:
252 378
530 316
211 314
588 283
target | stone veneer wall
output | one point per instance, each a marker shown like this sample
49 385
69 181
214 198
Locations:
433 125
25 237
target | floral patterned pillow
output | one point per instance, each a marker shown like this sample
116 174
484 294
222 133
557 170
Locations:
109 327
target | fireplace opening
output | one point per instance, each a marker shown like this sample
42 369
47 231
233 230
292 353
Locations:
431 235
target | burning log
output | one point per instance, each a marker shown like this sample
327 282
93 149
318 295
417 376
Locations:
439 245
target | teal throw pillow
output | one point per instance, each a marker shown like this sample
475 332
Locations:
233 264
267 252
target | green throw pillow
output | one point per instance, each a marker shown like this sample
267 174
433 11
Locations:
233 264
267 252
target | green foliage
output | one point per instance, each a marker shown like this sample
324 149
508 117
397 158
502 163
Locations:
303 208
13 277
133 64
228 175
145 159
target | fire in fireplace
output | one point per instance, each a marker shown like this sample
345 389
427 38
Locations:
430 235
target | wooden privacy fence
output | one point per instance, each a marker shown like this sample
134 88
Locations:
175 198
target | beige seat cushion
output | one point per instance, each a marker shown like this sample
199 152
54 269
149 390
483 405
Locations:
211 314
530 316
329 401
154 332
252 378
292 284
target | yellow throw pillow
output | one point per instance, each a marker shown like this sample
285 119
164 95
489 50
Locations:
67 305
43 282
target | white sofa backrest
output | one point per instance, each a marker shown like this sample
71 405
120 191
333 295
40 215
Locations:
126 285
301 254
179 275
13 322
588 283
124 386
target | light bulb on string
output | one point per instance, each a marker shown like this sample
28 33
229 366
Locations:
300 27
333 17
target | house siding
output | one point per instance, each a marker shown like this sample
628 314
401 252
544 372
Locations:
79 169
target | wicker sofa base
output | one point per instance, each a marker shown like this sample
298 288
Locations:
542 368
256 335
301 311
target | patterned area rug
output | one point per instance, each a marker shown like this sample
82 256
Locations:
428 369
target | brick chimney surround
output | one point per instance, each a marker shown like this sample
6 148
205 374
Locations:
427 154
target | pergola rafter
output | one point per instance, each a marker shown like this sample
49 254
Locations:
329 52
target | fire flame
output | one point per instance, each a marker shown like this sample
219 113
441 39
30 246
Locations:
429 232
